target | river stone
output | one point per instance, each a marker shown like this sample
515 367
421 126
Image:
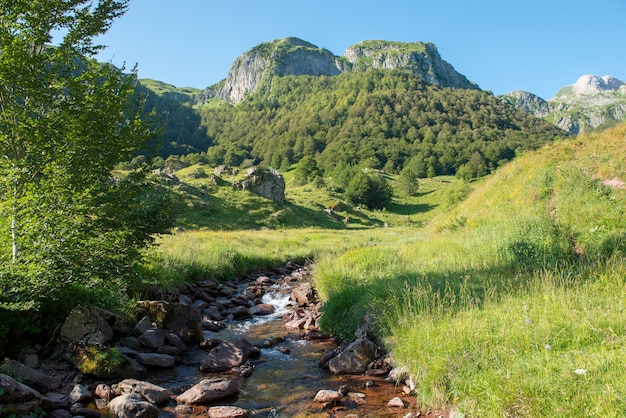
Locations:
152 393
396 403
355 358
130 405
175 340
53 400
14 391
85 324
80 394
103 391
226 355
303 294
30 377
156 360
326 396
183 320
208 390
262 309
227 412
142 326
152 337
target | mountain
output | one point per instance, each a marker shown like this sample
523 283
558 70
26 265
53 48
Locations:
591 102
292 56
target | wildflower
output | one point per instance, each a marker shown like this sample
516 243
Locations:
548 347
580 371
528 321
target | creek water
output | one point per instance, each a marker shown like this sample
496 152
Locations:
286 376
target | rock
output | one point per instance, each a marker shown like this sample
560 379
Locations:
152 337
396 403
103 391
54 400
208 390
326 396
227 412
227 355
130 342
132 369
355 358
39 381
152 393
168 349
262 309
14 392
58 413
266 182
85 324
183 320
21 409
239 312
303 294
175 340
144 324
80 394
155 360
80 410
132 406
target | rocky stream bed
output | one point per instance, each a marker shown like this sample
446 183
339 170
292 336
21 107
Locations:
246 348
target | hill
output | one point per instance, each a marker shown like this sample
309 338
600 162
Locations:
590 103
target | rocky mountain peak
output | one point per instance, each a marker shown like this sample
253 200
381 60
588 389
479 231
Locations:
294 56
421 58
593 84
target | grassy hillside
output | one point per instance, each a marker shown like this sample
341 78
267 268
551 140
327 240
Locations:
503 297
511 303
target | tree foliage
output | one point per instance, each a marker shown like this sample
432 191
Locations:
68 227
369 189
377 119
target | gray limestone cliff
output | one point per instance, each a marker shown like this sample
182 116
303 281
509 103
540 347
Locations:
292 56
420 58
591 102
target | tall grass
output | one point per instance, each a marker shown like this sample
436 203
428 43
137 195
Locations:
511 303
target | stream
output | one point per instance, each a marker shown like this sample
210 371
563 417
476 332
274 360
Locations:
286 376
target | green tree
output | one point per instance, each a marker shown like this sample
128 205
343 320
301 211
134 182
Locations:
373 191
408 181
65 122
306 171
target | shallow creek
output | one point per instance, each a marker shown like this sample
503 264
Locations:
286 376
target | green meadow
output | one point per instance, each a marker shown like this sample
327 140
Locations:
504 296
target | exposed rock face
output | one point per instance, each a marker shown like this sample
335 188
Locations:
529 102
422 59
268 183
289 56
293 56
85 324
589 103
592 84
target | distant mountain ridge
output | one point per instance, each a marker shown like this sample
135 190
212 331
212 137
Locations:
591 102
293 56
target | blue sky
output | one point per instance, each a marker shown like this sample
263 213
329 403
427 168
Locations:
532 45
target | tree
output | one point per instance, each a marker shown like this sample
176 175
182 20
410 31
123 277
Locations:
306 171
373 191
65 122
408 181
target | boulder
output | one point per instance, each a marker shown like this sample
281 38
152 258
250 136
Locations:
227 412
226 355
183 320
303 294
396 403
152 337
54 400
355 358
152 393
266 182
208 390
155 360
130 405
85 324
262 309
30 377
80 394
14 391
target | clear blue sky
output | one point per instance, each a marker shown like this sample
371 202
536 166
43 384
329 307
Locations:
533 45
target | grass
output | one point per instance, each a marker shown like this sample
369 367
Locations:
504 297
